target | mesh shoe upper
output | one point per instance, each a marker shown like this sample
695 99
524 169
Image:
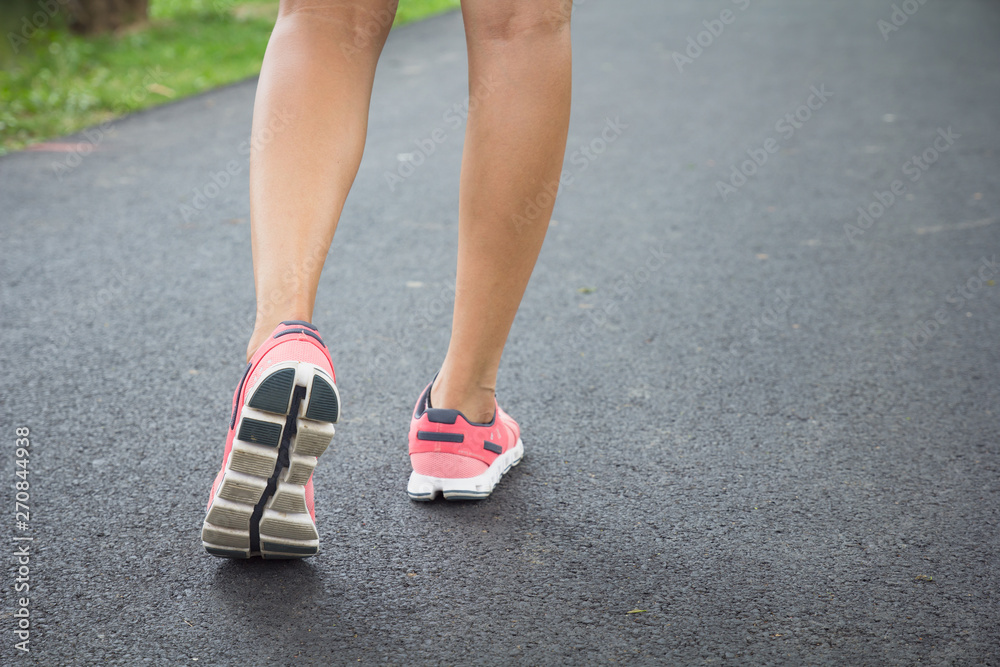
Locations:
444 444
291 340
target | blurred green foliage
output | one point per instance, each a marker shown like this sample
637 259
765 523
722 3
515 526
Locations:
54 83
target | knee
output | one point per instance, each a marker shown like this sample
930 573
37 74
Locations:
509 21
360 23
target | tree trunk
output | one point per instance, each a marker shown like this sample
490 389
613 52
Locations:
91 17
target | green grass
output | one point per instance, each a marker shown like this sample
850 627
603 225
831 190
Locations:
57 83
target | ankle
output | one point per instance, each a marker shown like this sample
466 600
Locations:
257 339
262 328
476 402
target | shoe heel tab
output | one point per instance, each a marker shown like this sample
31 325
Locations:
307 332
301 323
442 415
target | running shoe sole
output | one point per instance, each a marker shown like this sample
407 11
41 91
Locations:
424 488
260 507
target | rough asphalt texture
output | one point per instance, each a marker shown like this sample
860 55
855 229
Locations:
728 432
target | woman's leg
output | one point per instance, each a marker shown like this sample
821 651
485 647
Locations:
519 79
309 125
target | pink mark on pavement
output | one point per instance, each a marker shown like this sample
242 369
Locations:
61 147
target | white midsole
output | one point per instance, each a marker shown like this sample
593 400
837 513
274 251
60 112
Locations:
421 487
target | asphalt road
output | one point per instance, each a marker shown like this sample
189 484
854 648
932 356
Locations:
725 426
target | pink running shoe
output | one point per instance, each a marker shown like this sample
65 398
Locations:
283 416
459 458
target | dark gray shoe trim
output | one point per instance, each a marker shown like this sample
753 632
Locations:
273 393
301 323
323 406
226 553
442 415
440 437
300 331
286 548
261 433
